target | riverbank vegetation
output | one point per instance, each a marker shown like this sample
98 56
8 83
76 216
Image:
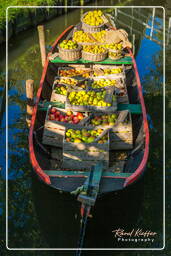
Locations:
4 4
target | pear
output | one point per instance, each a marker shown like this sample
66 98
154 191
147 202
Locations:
90 139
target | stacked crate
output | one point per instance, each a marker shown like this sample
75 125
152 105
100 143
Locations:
83 155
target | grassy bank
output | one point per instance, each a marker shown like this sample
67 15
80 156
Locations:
14 12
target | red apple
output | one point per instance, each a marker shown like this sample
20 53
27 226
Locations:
57 119
53 110
75 120
68 118
72 116
57 113
80 116
61 116
51 117
62 119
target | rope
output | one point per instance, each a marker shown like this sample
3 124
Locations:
86 211
83 229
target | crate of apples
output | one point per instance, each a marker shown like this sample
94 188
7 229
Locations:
108 71
81 149
85 136
97 83
59 92
72 82
57 120
103 119
72 72
91 100
65 116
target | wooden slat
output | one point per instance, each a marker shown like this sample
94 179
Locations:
75 164
85 146
120 145
123 99
57 97
91 108
53 141
119 136
117 166
88 156
56 153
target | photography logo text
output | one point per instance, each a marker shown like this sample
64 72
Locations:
134 235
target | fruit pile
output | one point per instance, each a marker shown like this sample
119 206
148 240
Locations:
104 120
113 46
92 98
109 71
74 72
93 18
115 55
96 49
72 82
69 117
60 89
69 81
83 37
100 83
85 136
68 44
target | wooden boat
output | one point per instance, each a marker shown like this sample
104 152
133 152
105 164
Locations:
70 180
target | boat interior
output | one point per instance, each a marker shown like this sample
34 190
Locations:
121 162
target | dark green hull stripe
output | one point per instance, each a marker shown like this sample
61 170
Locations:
133 108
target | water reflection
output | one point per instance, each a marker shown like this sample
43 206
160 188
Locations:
35 217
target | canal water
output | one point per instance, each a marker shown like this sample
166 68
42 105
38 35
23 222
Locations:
33 212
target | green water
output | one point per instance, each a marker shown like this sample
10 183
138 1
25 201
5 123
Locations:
32 207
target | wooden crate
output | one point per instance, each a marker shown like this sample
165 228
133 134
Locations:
124 98
74 67
79 81
84 155
55 97
119 87
92 115
119 82
109 76
54 131
90 108
121 135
